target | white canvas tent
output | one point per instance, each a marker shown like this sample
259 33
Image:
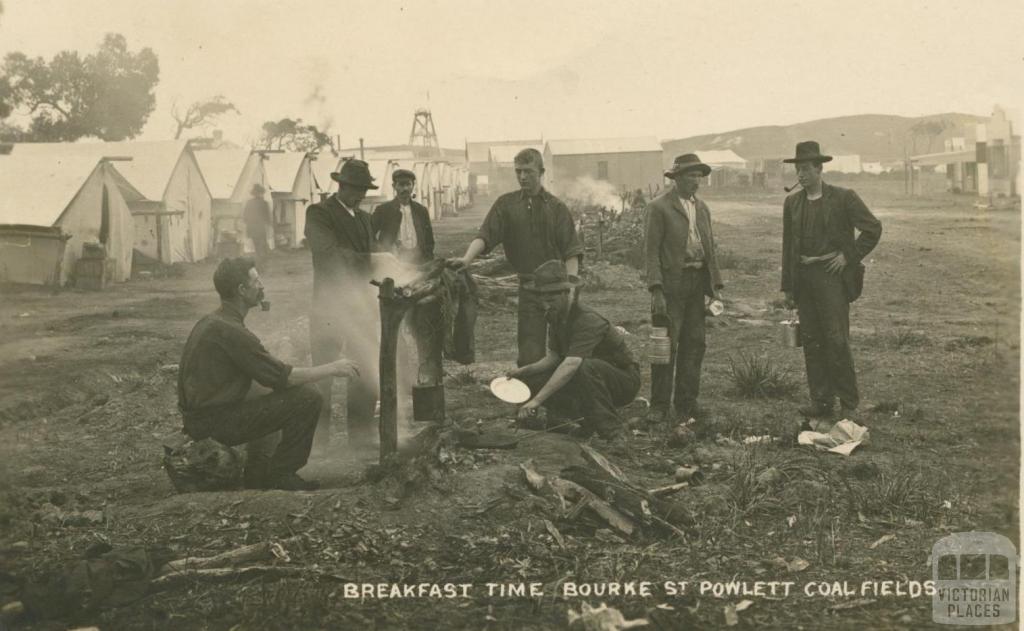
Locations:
230 174
293 186
722 159
172 221
322 167
51 205
381 171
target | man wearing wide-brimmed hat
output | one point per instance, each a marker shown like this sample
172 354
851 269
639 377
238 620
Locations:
402 225
257 219
588 370
340 238
682 268
822 274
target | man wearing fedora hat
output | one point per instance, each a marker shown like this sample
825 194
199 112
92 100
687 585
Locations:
402 225
533 226
340 238
257 218
682 268
588 370
822 274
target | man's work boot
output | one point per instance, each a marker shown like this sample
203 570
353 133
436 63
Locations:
689 410
816 410
658 416
293 482
254 478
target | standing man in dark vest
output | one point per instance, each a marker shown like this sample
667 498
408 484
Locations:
340 238
402 226
822 274
534 226
682 268
257 219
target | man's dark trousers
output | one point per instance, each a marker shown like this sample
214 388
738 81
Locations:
684 301
259 244
531 327
825 335
292 411
594 392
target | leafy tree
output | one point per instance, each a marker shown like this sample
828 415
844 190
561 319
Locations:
929 129
201 113
293 135
108 94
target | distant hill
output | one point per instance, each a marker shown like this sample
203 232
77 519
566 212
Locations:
875 137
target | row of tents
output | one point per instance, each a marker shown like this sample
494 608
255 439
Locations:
168 202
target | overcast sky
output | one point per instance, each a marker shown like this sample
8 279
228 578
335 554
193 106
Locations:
560 69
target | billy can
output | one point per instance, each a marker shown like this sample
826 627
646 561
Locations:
791 333
658 346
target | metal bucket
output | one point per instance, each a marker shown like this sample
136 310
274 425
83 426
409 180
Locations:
659 347
791 333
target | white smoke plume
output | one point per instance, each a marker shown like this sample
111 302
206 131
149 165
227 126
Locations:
590 192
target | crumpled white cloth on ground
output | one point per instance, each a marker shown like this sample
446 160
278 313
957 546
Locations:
842 438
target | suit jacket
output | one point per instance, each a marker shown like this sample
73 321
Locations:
387 220
667 232
341 246
844 211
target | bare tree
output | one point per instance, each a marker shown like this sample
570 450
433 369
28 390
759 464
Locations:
201 113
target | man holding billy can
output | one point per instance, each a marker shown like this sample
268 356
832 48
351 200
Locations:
822 274
682 269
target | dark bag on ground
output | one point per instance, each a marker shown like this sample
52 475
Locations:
853 281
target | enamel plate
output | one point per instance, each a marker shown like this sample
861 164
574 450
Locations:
510 390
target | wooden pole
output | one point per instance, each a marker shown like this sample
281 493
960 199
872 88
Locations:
395 302
391 312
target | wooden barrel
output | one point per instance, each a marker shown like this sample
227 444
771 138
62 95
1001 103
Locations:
659 347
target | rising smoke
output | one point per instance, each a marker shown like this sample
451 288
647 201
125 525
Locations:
590 192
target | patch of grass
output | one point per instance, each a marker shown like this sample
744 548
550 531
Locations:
731 261
903 492
464 377
901 338
756 377
968 341
758 475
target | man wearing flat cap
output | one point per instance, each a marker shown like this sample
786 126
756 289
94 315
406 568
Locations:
682 268
822 274
402 226
257 219
588 369
340 238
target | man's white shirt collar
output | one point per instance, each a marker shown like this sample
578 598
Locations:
351 212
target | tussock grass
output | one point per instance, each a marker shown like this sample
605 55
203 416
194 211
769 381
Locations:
894 494
759 473
756 377
968 341
901 338
464 377
731 261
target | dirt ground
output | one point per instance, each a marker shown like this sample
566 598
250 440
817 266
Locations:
87 399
